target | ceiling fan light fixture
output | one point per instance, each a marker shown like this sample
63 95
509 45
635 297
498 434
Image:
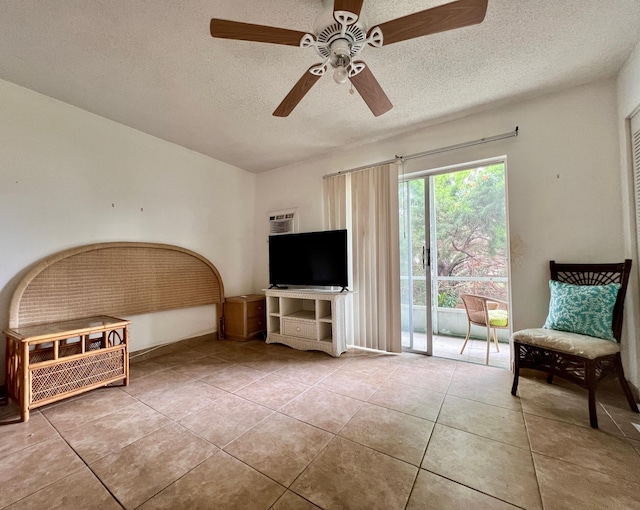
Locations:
340 59
341 49
340 75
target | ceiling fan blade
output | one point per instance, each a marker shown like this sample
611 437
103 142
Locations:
354 6
225 29
371 91
296 94
438 19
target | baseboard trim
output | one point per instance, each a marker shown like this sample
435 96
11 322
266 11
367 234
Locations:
160 350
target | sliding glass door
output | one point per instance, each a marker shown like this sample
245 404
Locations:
415 266
453 241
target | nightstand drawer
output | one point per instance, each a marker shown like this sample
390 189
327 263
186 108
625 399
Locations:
255 325
255 309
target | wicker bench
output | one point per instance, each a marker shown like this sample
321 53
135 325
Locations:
49 362
64 337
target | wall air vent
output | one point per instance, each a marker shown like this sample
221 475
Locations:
282 222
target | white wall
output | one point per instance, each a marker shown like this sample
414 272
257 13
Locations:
629 103
563 184
69 178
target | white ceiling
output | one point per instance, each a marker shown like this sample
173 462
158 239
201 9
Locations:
152 65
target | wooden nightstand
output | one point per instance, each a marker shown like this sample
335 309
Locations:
244 317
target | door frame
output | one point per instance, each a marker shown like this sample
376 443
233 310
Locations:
430 204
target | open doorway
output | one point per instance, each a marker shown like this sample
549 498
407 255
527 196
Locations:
453 241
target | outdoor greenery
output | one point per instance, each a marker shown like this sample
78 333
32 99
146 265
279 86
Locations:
469 228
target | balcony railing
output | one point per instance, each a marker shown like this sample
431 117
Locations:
448 320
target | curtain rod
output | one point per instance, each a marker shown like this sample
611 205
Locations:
495 138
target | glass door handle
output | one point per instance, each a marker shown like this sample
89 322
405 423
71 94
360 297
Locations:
426 257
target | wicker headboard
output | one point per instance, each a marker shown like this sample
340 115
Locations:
118 279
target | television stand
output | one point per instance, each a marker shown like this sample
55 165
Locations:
308 320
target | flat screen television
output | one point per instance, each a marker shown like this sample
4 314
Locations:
312 259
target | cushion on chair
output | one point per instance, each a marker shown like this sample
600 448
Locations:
583 309
498 318
564 341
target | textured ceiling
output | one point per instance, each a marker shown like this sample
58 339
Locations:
152 65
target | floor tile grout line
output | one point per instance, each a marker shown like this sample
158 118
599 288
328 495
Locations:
177 422
66 475
615 422
555 459
246 431
363 403
380 451
17 421
179 478
182 417
436 420
265 474
533 462
293 492
173 422
88 466
117 410
606 434
491 404
473 488
335 436
580 425
308 465
482 437
190 379
86 395
482 402
413 486
131 379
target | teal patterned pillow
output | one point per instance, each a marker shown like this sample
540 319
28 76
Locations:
584 309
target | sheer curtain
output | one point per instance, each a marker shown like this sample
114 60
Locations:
334 191
366 203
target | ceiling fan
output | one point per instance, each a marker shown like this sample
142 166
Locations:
340 38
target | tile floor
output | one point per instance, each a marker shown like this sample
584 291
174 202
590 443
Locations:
226 425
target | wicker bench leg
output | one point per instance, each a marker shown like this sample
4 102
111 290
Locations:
25 384
514 386
516 369
590 370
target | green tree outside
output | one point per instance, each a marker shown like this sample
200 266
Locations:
471 235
